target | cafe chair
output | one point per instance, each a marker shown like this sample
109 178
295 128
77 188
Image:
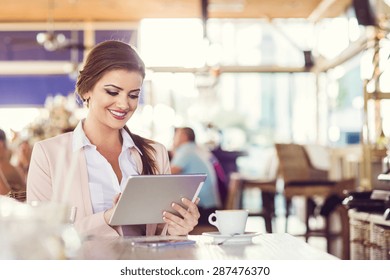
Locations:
222 181
301 179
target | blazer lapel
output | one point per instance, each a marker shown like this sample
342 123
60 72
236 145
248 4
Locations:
83 183
137 158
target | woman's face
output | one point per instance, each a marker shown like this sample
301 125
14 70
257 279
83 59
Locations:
114 98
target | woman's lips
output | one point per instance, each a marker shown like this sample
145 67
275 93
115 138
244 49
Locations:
119 115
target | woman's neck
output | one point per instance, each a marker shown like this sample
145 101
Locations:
101 135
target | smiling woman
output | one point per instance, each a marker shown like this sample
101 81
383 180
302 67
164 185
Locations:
101 153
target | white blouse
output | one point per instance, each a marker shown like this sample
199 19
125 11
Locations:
103 182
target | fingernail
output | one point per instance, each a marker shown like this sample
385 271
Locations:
183 199
173 204
164 213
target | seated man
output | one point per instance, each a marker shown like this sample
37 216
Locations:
11 176
189 158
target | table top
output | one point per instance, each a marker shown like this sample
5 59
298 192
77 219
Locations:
376 218
279 246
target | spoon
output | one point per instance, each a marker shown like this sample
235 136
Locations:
228 238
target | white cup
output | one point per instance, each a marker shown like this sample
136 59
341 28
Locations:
229 222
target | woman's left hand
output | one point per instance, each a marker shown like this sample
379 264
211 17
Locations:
188 220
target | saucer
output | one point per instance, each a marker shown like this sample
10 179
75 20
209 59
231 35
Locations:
239 238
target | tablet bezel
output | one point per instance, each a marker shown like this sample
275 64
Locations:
145 197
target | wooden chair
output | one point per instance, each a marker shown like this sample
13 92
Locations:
300 178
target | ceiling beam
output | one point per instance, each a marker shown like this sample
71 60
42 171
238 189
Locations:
356 47
12 68
62 25
231 69
35 67
131 10
320 10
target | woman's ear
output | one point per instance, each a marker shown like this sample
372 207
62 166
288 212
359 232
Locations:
86 98
87 95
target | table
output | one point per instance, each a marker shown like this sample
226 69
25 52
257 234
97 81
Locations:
278 246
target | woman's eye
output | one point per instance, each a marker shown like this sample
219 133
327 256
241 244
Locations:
132 96
112 93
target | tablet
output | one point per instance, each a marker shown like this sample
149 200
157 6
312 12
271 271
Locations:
145 197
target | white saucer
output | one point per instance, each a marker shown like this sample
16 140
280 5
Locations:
240 238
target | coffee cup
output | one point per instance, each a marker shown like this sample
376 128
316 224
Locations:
229 222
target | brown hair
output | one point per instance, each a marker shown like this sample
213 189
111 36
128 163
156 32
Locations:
108 56
189 132
145 145
104 57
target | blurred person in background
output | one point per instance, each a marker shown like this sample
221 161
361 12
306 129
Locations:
106 151
190 158
4 187
23 157
11 177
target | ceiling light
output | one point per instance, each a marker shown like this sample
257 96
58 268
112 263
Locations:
50 41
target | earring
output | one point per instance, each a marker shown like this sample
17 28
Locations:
86 102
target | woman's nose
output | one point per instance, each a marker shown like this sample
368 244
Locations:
123 103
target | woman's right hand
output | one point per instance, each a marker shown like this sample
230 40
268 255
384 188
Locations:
108 213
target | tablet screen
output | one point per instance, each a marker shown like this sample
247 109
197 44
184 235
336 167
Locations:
146 197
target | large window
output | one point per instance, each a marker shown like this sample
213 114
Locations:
259 107
235 109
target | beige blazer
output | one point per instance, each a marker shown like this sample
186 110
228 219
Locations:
44 167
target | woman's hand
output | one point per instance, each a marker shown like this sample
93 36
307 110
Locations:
108 213
188 220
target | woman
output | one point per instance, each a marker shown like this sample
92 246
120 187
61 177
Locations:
11 178
4 187
23 158
107 152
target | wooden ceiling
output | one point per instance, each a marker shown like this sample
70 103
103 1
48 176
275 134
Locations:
135 10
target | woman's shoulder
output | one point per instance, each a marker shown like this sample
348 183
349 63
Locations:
56 141
157 145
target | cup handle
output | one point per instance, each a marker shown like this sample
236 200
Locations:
211 221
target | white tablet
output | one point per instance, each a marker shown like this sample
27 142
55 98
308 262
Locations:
145 197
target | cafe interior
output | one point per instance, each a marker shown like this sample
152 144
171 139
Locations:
290 96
